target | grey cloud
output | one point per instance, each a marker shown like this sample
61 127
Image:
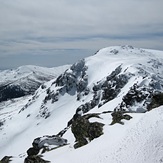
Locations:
32 26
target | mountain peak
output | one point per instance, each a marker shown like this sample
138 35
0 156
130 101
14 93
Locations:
125 50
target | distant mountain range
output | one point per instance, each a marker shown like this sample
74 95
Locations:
25 80
104 108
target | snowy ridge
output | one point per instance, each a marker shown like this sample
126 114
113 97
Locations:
115 78
23 71
25 80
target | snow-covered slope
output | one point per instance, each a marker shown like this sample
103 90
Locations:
120 78
139 140
25 80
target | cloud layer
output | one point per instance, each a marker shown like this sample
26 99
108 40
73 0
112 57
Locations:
35 26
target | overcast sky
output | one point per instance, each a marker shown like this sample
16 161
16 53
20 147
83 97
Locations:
55 32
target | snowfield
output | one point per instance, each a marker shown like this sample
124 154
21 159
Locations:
139 140
120 77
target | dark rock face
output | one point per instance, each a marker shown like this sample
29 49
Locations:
89 105
6 159
107 89
32 151
148 96
112 88
80 130
83 130
9 92
136 94
107 86
73 80
156 101
113 84
117 116
95 130
35 159
1 123
44 112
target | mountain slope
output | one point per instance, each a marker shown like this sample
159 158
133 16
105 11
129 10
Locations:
139 140
114 79
25 80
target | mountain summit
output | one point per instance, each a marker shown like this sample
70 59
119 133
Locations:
108 106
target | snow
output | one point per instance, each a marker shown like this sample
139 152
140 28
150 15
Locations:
138 140
22 72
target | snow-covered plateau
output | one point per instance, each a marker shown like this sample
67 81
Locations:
104 108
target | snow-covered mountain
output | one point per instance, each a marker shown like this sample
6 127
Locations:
119 88
25 80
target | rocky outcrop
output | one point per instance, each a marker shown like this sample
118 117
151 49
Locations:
6 159
85 131
43 143
136 94
156 101
117 116
46 141
106 89
35 159
112 85
145 96
71 81
33 151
